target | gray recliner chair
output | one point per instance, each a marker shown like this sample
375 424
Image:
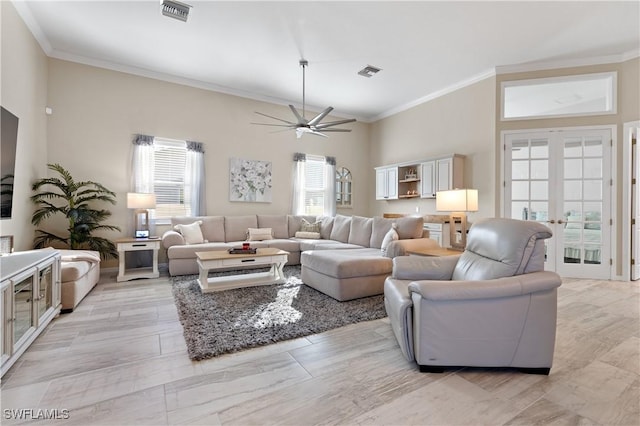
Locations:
491 306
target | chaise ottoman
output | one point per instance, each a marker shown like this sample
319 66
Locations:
80 272
346 274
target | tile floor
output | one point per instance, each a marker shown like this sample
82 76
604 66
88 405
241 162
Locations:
120 359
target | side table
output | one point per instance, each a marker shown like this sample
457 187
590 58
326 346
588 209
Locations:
436 251
137 244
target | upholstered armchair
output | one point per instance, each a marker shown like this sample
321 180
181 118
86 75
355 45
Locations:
491 306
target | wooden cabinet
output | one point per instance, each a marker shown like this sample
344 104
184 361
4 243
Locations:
419 179
29 299
441 174
387 183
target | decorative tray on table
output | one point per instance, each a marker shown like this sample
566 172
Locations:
240 250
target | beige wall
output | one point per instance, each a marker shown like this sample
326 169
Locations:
96 112
461 122
24 93
628 109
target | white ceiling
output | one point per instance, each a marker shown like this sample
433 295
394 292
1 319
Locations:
252 48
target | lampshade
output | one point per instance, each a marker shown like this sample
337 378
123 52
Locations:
457 200
139 200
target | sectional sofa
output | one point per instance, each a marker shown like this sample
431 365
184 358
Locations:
344 259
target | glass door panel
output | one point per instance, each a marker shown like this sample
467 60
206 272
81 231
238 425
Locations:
561 179
45 287
528 192
23 311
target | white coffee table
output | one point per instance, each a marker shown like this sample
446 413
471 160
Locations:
215 260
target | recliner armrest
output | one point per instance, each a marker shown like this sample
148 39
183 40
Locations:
401 247
424 267
487 289
172 238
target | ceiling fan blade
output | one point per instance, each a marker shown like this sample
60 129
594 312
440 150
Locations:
336 130
313 132
318 118
300 118
275 118
290 126
334 123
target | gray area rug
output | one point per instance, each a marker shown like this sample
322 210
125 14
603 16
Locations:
232 320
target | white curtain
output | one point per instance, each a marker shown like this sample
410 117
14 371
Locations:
195 178
330 186
298 183
143 164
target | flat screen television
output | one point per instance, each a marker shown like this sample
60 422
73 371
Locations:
8 143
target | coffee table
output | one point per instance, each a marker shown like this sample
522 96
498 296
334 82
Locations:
216 260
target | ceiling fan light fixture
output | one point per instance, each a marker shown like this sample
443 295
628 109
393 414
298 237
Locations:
175 9
369 71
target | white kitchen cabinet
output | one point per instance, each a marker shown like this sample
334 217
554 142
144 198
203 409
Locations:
387 183
441 174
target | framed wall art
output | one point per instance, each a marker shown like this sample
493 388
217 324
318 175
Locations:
249 180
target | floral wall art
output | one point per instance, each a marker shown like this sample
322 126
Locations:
249 180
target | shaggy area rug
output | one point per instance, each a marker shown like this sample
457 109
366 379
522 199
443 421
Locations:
232 320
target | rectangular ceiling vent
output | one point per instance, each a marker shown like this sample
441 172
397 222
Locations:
368 71
176 10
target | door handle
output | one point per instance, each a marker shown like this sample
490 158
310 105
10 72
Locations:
560 221
552 221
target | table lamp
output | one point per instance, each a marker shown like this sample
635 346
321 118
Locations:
457 202
141 202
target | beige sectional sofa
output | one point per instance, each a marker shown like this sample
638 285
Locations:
346 262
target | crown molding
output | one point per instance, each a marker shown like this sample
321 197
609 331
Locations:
25 13
434 95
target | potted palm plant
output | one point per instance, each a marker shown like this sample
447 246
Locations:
73 199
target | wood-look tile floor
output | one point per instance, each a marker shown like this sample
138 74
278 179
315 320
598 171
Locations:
120 359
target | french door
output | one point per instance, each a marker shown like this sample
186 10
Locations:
563 179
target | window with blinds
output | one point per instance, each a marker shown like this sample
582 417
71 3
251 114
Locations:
315 185
172 196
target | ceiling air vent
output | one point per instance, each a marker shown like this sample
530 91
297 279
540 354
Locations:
175 10
368 71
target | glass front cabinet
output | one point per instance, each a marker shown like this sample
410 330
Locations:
29 299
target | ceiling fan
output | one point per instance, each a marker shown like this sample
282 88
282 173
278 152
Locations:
302 125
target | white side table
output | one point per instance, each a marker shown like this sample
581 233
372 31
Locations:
137 244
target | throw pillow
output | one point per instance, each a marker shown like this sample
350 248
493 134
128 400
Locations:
259 234
308 235
390 236
309 227
192 233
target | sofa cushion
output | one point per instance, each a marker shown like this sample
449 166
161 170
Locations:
277 222
191 232
295 221
212 226
308 235
259 234
189 251
284 244
347 263
341 228
410 227
379 229
360 231
326 226
235 227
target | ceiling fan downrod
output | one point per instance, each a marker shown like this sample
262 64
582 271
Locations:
303 64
